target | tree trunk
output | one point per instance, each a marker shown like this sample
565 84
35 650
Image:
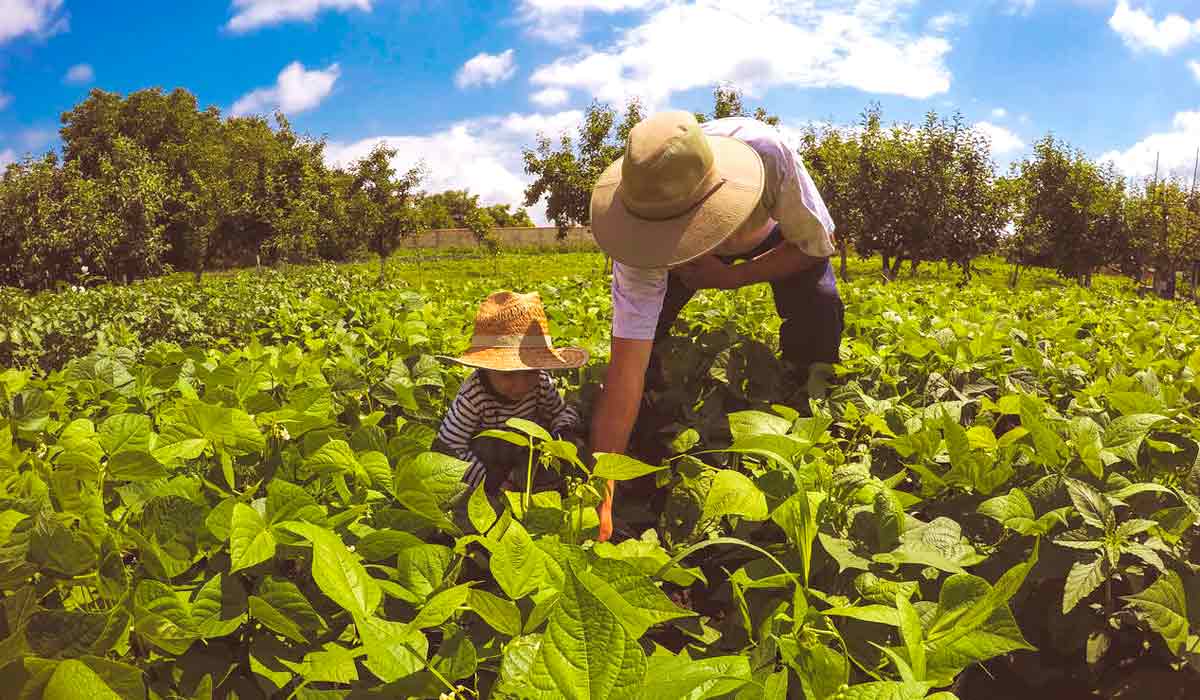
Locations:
887 271
382 267
895 271
844 271
913 270
1164 281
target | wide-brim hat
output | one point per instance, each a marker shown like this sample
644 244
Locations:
512 334
676 194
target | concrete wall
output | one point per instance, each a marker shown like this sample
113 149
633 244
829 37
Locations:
577 237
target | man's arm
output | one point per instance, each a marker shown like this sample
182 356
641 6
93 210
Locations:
777 263
617 409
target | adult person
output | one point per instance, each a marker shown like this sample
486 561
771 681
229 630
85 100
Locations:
684 202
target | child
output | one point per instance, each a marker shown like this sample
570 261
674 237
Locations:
512 352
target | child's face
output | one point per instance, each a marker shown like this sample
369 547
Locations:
513 385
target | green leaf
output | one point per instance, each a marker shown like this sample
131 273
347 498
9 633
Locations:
1012 510
586 650
227 429
135 466
441 607
671 676
619 467
161 617
219 607
529 428
181 451
744 424
797 517
1082 579
334 457
1163 605
287 501
886 690
1124 436
250 539
842 551
282 607
421 569
332 664
394 650
938 543
385 544
1091 505
1085 433
500 614
631 597
912 635
822 670
961 595
126 432
1050 447
432 475
480 511
733 493
516 562
73 679
338 572
879 614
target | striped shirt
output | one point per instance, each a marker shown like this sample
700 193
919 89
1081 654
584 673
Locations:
476 409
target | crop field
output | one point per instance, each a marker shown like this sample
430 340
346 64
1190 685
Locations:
225 489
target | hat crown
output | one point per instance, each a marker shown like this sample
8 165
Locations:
668 166
511 319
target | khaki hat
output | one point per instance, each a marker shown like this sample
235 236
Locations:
676 194
513 335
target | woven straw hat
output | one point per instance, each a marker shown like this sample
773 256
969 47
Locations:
512 334
676 194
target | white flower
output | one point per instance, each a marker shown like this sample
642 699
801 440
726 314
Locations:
84 269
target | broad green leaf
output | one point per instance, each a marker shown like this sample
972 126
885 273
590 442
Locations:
912 635
421 569
73 679
670 676
64 633
227 429
394 650
287 501
250 539
879 614
334 457
1085 433
938 543
480 511
385 544
502 615
529 428
126 432
55 546
744 424
618 467
332 664
842 551
797 517
282 607
1091 505
886 690
134 466
430 474
998 634
219 607
733 493
1082 579
1050 447
630 596
516 562
457 657
587 651
822 670
441 607
1012 510
338 572
1163 605
181 451
162 618
1124 436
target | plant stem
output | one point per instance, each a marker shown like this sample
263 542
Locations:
528 480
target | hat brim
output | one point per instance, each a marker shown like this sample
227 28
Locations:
521 359
644 243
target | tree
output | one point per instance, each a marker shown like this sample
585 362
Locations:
383 202
564 175
727 102
831 157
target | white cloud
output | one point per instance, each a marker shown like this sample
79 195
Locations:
480 155
831 43
1004 142
999 113
5 100
252 14
296 90
551 97
37 17
486 69
1195 66
1020 7
80 74
1174 149
562 20
1141 32
946 21
7 156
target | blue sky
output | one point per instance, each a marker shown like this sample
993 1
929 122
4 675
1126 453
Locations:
464 86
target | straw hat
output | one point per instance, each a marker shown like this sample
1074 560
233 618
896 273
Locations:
512 334
676 194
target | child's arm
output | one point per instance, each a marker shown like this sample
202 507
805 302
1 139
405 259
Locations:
461 424
562 416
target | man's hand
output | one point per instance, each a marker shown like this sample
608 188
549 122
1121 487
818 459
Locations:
708 272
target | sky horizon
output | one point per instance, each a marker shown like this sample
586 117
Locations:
464 86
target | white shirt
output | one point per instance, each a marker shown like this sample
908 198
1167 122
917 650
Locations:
789 197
